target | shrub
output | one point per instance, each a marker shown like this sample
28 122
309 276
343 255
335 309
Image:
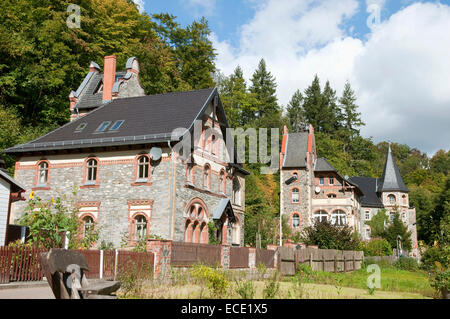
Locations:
132 276
376 247
441 281
406 263
436 257
328 236
271 288
214 279
245 289
304 271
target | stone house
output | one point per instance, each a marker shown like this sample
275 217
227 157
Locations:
311 189
133 180
388 192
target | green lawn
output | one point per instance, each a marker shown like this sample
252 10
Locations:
392 279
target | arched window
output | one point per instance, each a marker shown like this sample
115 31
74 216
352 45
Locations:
221 182
196 227
404 199
339 218
140 230
91 174
391 199
143 168
88 226
320 216
213 144
236 192
206 177
295 220
43 173
295 195
189 171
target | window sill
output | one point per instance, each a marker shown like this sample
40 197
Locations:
141 183
41 188
90 186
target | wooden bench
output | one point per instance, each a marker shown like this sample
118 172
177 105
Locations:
65 268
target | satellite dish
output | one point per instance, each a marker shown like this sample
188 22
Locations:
155 153
317 189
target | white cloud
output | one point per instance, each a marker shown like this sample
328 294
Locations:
400 72
140 5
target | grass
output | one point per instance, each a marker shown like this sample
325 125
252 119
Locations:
395 284
392 279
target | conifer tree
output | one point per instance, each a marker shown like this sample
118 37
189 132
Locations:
296 118
350 116
313 103
264 88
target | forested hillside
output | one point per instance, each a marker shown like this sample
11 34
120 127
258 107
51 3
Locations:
42 60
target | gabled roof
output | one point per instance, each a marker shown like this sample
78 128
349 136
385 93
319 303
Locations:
15 186
391 180
146 119
368 185
224 206
322 165
296 148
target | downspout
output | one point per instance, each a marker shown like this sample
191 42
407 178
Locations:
171 194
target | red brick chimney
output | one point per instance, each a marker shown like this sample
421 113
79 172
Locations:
109 76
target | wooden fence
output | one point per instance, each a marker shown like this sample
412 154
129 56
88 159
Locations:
330 260
187 254
265 257
239 257
22 263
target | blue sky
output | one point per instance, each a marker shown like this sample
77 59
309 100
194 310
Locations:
398 67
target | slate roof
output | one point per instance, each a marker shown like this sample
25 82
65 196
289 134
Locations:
368 185
391 180
15 186
322 165
147 119
296 148
87 94
224 205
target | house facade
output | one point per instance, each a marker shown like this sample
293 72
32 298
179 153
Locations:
133 180
311 189
388 192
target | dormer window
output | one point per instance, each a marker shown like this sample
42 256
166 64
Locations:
103 126
116 125
80 127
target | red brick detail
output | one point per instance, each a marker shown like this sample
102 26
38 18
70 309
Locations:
85 173
89 204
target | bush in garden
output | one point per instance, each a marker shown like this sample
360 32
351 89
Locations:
214 279
376 247
328 236
406 263
245 289
436 257
271 288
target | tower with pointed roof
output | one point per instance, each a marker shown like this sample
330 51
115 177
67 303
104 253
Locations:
388 192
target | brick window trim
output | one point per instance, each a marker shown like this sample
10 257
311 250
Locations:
137 182
291 219
36 176
85 171
292 191
132 214
201 223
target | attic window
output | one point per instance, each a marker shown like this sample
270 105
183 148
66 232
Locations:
103 126
80 127
116 125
